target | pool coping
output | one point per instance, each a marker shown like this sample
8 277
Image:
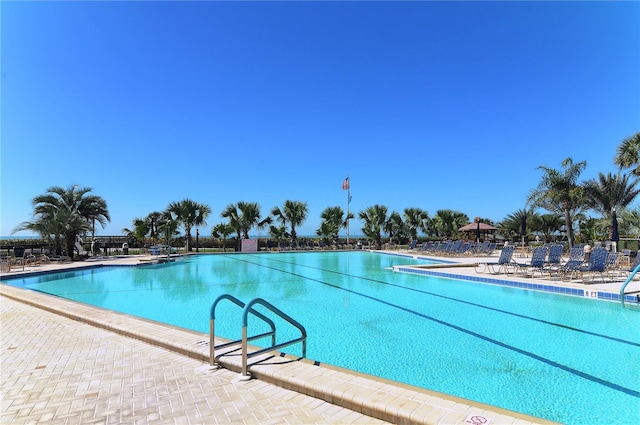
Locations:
376 397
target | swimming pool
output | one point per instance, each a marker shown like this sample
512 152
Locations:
568 359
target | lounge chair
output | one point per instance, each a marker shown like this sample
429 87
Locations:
454 248
503 263
464 249
555 255
413 245
492 247
597 264
481 248
433 247
575 261
554 259
612 266
537 263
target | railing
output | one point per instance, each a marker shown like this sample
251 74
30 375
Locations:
626 282
239 303
247 309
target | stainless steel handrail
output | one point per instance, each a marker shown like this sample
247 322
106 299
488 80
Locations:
239 303
247 309
626 282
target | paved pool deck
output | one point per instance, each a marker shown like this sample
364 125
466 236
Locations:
66 362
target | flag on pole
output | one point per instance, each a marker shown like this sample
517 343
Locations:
345 184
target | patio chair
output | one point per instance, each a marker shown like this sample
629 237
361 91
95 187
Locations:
597 264
628 270
454 248
537 262
575 261
433 247
492 247
464 249
503 263
611 267
482 248
554 259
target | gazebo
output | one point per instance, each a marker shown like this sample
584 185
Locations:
483 228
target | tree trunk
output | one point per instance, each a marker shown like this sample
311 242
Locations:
569 227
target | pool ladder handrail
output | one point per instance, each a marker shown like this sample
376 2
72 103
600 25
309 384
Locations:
248 308
626 282
212 346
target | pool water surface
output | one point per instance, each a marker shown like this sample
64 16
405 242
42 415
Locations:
568 359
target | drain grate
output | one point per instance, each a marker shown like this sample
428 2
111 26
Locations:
203 343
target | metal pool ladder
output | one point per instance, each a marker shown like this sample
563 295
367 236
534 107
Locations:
248 308
626 282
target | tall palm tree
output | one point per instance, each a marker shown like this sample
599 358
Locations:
153 219
559 191
244 216
333 219
293 212
414 219
610 192
374 219
222 231
395 228
547 224
190 214
447 222
628 154
140 229
67 213
278 233
512 225
166 225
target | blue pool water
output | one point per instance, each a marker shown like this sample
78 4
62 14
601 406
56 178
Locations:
568 359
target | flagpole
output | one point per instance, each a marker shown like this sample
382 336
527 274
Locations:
346 185
348 203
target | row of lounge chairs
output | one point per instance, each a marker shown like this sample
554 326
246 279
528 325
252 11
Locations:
7 263
547 261
454 248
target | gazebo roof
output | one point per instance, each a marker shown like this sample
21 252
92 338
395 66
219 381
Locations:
484 227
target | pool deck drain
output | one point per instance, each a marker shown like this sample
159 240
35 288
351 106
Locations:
59 364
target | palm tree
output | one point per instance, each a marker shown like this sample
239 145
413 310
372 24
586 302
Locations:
153 219
447 222
244 216
139 231
414 219
395 228
547 224
628 154
512 225
166 225
95 209
374 219
559 191
333 219
610 192
294 212
278 233
190 214
222 231
629 221
66 213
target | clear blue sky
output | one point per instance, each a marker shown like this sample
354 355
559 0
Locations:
437 105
